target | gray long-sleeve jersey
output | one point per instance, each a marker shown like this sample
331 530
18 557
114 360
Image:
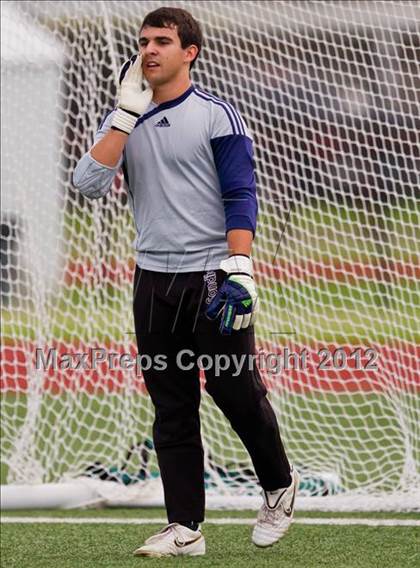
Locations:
189 172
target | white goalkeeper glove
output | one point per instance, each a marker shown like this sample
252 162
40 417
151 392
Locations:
132 99
237 299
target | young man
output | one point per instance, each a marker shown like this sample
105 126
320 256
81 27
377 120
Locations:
187 161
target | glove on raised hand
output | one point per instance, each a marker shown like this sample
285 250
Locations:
237 299
132 99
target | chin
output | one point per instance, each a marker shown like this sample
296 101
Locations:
153 83
158 83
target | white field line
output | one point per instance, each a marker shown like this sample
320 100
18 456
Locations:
222 521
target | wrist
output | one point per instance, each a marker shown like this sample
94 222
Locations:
124 120
237 264
239 254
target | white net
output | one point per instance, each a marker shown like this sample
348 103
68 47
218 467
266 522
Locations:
330 91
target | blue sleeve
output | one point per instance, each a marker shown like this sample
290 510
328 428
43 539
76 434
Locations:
233 157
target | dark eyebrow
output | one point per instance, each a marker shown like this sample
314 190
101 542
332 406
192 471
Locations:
143 38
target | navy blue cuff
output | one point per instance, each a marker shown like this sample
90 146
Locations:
240 222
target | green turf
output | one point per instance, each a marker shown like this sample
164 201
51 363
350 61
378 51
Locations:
317 230
321 230
159 512
357 434
328 311
93 546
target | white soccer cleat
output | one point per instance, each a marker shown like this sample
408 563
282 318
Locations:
173 540
276 514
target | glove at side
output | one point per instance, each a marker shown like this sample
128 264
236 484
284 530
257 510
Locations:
237 299
132 99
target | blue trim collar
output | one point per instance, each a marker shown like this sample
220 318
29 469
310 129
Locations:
167 104
177 101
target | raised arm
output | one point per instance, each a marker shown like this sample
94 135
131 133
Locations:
96 170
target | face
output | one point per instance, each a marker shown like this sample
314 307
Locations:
163 58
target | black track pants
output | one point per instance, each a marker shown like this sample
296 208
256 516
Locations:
171 328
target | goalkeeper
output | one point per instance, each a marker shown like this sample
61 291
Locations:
187 161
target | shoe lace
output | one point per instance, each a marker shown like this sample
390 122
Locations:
270 516
163 533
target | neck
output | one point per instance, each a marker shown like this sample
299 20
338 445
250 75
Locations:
170 91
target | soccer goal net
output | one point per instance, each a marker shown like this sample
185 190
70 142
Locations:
330 91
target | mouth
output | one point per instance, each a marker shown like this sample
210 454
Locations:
151 65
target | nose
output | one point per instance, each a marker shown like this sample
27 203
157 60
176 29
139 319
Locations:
150 48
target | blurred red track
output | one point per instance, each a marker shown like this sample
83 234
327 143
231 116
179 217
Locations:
398 369
309 272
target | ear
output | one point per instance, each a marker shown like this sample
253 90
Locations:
190 53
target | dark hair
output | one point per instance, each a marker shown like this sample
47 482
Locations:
188 28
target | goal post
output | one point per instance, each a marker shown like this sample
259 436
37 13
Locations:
330 92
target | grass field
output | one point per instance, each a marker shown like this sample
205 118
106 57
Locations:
328 428
324 310
305 546
357 435
316 228
327 312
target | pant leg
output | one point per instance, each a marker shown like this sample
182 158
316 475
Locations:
243 400
175 395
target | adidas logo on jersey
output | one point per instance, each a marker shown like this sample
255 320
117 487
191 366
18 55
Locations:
163 122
